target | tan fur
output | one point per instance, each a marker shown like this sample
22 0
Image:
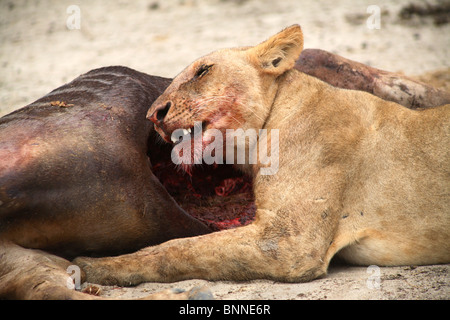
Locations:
31 274
358 176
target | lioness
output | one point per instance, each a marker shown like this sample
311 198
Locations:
357 176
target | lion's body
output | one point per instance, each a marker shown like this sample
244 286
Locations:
356 174
378 171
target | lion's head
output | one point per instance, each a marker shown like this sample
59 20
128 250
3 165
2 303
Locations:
228 89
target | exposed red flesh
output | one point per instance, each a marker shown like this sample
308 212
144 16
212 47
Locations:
218 195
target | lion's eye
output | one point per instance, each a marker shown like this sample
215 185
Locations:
202 70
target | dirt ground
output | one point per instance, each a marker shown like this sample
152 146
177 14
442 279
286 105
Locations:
44 45
342 283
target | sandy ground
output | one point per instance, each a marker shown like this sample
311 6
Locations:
342 282
39 52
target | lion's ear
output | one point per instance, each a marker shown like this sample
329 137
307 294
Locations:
279 53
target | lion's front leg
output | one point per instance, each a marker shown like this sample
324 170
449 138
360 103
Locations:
31 274
256 251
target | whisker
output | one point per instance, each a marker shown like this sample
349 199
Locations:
204 104
236 120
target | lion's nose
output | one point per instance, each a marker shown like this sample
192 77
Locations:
160 113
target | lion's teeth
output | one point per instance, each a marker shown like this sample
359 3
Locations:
185 132
189 130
